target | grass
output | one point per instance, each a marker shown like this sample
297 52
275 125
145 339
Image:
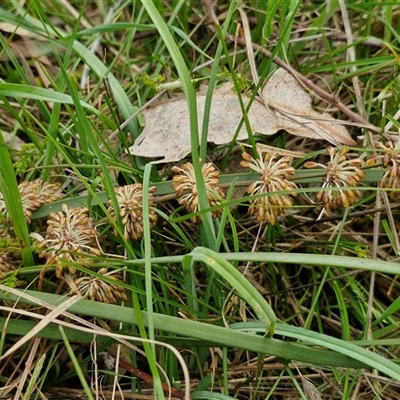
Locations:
208 303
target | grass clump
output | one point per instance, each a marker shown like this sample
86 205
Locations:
260 274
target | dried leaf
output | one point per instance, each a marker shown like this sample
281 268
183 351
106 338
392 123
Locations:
167 131
12 141
292 108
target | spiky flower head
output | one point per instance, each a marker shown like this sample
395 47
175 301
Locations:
184 184
130 200
95 288
390 158
70 238
274 174
33 195
341 171
7 263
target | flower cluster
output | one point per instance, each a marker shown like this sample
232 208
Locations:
341 172
70 238
274 175
7 263
130 200
390 158
97 289
184 184
33 195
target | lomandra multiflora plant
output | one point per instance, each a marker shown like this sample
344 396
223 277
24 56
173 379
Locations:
71 238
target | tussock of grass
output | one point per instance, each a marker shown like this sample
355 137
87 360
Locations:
200 295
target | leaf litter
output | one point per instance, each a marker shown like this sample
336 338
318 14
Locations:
283 105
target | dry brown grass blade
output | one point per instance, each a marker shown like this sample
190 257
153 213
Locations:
210 19
21 53
97 43
33 357
264 148
48 319
249 48
351 57
18 367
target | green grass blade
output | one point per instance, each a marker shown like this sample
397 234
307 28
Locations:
12 199
34 378
243 287
76 365
211 335
296 258
190 94
150 349
365 356
17 90
94 63
210 395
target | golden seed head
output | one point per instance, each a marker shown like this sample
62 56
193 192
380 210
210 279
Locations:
7 263
33 195
70 237
273 178
130 200
95 288
341 171
390 159
184 184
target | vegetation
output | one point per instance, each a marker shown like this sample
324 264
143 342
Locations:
235 273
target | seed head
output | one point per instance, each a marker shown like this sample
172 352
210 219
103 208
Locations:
130 200
184 184
7 263
33 195
340 172
70 237
390 159
273 178
95 288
